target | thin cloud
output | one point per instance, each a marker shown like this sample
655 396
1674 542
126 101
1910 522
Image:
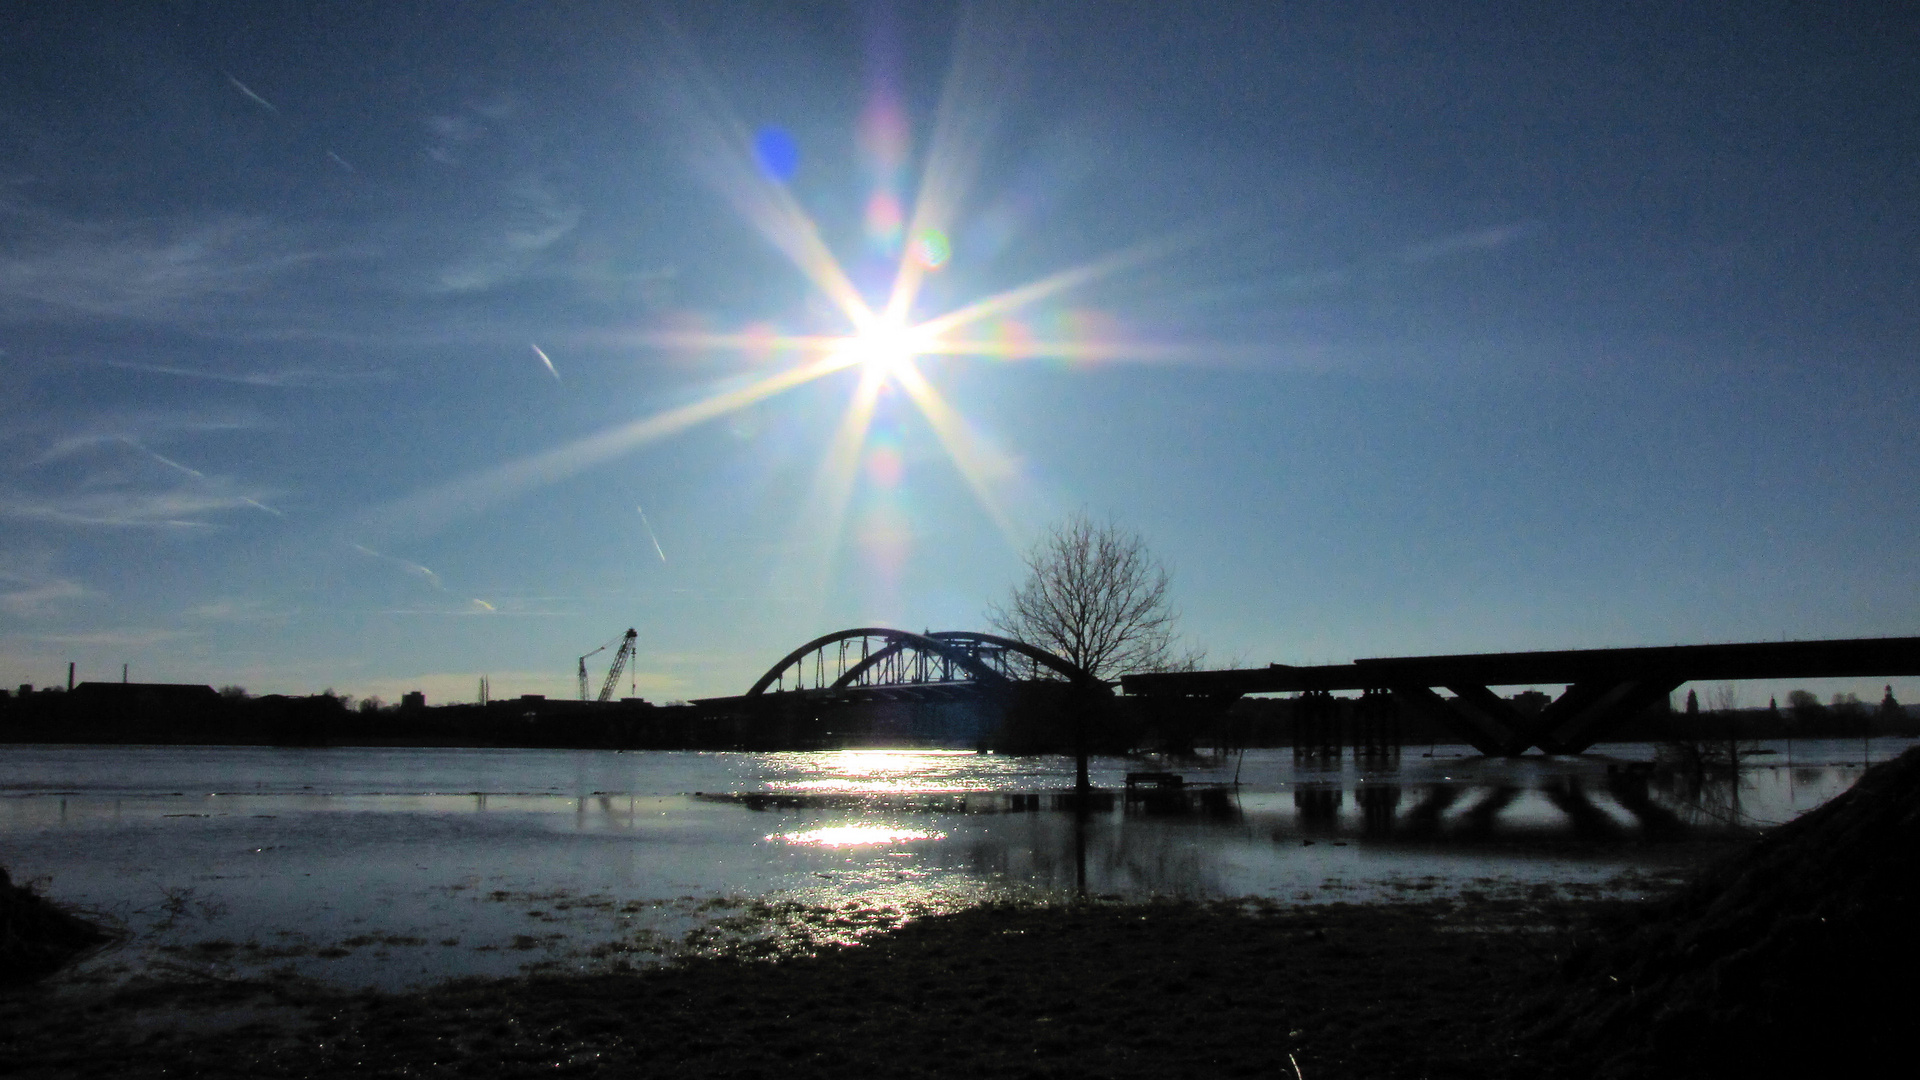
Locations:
541 353
139 269
1461 243
650 535
237 611
173 510
511 239
115 493
288 379
42 598
251 96
200 476
409 566
133 637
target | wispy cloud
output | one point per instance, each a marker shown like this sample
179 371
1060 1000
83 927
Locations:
200 476
33 586
251 96
407 565
288 378
510 240
473 606
119 434
1463 242
130 637
113 479
179 509
41 598
238 611
139 269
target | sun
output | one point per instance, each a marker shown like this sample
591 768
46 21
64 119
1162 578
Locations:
884 349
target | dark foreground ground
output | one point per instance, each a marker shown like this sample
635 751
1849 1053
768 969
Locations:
1103 990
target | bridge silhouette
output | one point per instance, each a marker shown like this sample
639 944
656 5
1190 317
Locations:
1605 688
953 686
898 664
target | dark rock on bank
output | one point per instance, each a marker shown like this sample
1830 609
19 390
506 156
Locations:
1797 954
37 936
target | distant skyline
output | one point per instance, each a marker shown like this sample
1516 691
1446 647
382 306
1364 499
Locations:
385 346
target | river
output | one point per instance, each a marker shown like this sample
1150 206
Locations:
402 867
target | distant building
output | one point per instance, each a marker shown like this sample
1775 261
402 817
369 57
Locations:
1530 702
411 700
138 695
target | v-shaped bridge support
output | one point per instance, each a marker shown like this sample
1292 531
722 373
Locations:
1577 719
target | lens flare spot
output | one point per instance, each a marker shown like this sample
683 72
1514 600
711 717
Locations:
885 219
931 249
883 134
777 153
856 835
885 467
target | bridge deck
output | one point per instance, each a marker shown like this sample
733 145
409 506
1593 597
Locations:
1843 658
1605 687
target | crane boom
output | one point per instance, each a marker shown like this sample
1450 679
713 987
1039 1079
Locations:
583 667
619 664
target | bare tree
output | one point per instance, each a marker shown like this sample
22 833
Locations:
1096 596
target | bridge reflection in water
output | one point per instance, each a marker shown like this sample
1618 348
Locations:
1338 833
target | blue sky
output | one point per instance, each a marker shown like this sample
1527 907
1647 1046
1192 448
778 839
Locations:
1394 329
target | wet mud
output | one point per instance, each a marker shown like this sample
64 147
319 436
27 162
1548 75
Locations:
1240 988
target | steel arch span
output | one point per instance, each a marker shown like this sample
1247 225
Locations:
878 656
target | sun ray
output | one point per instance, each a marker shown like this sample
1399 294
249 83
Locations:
985 468
431 510
964 120
1044 288
825 518
723 151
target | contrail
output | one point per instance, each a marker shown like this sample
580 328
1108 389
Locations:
413 568
242 87
650 536
340 161
543 359
195 473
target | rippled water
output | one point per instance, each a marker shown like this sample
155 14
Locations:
402 866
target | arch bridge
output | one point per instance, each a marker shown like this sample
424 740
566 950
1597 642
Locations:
878 662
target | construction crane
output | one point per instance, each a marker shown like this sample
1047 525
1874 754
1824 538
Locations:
620 659
583 667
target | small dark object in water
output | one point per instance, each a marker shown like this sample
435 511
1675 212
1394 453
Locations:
37 936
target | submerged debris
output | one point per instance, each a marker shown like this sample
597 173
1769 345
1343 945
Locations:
1781 958
36 935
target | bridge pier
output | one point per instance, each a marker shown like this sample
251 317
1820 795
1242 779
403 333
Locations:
1316 725
1589 710
1376 725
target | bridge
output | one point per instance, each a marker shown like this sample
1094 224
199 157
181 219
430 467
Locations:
1604 687
874 661
884 685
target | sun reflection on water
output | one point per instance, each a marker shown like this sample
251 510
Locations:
883 772
856 835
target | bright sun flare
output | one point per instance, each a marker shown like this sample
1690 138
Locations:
884 349
883 346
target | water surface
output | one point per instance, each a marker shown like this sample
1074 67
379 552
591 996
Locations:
403 866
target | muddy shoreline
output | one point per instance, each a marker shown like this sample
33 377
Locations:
1239 988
